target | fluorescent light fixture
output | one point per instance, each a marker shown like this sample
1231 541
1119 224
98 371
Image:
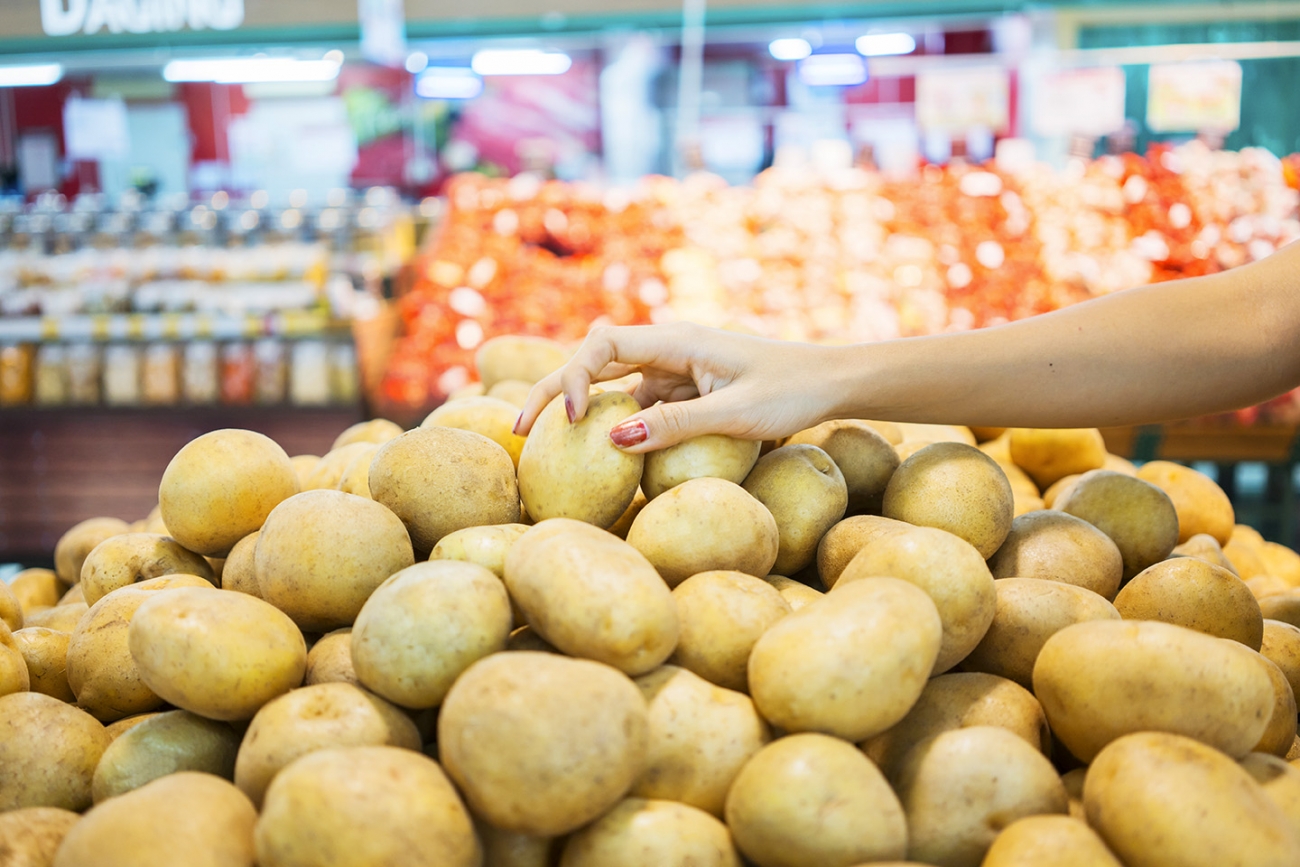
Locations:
416 62
789 49
831 70
30 75
523 61
248 70
885 44
448 82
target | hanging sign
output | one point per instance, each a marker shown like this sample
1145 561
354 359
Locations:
66 17
1086 102
955 100
1195 96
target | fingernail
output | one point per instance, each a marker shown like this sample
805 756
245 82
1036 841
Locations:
629 433
515 429
568 409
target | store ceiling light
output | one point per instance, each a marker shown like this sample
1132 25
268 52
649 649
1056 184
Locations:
524 61
789 49
832 70
448 82
30 75
249 70
416 62
885 44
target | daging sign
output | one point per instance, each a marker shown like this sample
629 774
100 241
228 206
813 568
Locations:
65 17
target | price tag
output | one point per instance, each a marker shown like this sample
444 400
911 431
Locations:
49 328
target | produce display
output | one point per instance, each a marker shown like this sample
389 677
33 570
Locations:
870 644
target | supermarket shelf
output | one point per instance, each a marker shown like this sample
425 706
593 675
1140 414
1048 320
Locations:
1273 444
153 327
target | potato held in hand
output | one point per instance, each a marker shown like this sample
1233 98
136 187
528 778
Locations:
806 494
953 487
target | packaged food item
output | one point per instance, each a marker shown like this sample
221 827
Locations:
237 371
200 382
122 375
345 378
83 374
51 375
271 371
161 374
309 379
15 374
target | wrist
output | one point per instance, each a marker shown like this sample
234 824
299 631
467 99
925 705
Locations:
854 376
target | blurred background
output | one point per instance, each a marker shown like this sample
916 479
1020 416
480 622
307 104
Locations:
290 215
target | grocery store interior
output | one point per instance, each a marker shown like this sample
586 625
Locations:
294 215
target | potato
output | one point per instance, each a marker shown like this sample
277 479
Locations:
129 558
48 752
60 618
125 724
377 431
30 837
865 458
1103 679
935 433
1049 455
795 594
1281 732
1159 799
1021 485
473 389
949 570
510 849
1202 506
512 391
851 664
1245 554
313 718
14 676
1073 782
705 525
330 659
303 466
1284 607
80 540
1061 841
74 595
46 654
1280 781
1030 611
721 615
1281 561
197 814
220 655
1266 586
709 456
37 588
621 527
240 571
958 701
843 541
329 471
999 448
1137 516
492 417
590 594
525 638
356 475
221 486
805 492
322 553
574 470
1024 505
1189 592
1282 645
541 744
811 799
484 546
1059 489
424 626
527 359
644 833
1204 547
953 487
961 787
439 480
11 610
164 744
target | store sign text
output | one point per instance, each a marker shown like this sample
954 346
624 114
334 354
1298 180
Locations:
66 17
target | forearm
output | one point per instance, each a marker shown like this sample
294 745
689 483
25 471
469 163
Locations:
1161 352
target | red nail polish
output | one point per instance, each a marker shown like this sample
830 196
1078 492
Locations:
515 429
568 409
629 433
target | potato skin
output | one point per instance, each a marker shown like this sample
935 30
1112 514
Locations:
46 653
1281 732
806 494
1138 517
518 357
73 546
330 659
37 588
864 456
1189 592
1282 645
1062 841
486 546
1159 799
1048 455
710 456
1060 547
492 417
720 616
796 594
29 837
48 752
130 558
843 541
1202 506
163 744
1103 679
644 833
240 572
376 430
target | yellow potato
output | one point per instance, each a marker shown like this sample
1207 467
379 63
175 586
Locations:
124 725
73 596
1281 732
1189 592
11 610
643 833
851 664
1280 781
805 492
330 470
1281 606
30 837
377 431
303 466
999 448
958 701
892 433
704 525
221 486
865 458
1103 679
1266 586
811 799
525 638
985 434
1282 645
574 470
1118 464
623 525
240 572
163 744
46 654
60 618
1073 782
218 654
195 818
960 787
1281 561
37 588
330 659
591 594
1059 489
80 540
1202 506
1049 455
1030 611
542 744
795 594
14 676
1137 516
1205 547
314 718
474 389
492 417
48 752
709 456
511 849
1159 799
424 626
527 359
953 487
512 391
130 558
721 615
949 570
935 433
1024 505
356 475
484 546
843 541
439 480
1061 841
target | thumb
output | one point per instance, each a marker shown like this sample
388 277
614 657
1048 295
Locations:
666 424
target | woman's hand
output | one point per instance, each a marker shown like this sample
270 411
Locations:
694 381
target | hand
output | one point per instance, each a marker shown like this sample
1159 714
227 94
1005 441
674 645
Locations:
694 381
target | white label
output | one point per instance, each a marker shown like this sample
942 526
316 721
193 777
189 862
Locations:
1195 96
955 100
1079 101
66 17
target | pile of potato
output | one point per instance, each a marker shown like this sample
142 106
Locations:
873 643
